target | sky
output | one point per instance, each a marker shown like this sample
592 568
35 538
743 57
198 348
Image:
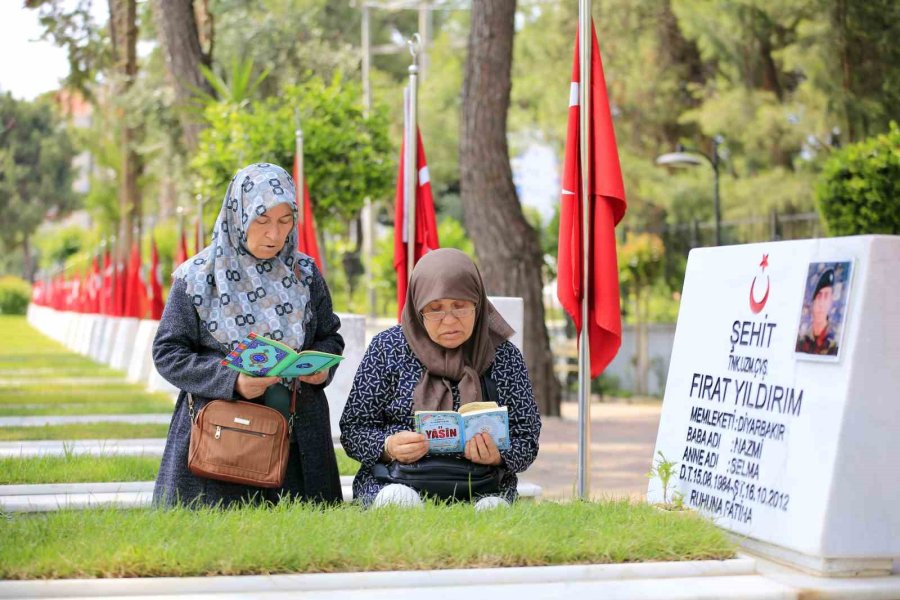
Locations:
30 66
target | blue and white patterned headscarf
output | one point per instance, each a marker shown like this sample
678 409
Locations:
233 291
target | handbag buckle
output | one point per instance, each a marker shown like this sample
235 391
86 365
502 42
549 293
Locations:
218 431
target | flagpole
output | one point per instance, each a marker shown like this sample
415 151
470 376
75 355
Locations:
298 152
200 233
368 206
584 348
409 159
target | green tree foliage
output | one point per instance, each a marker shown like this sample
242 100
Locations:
35 168
346 156
859 190
451 235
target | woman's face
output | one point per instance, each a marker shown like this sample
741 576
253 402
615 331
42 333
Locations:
266 234
449 322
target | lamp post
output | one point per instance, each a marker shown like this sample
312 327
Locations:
687 157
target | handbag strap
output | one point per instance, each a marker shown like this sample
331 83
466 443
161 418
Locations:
190 399
293 406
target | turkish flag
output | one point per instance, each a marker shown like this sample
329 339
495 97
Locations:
426 223
606 206
135 292
94 286
181 251
306 226
155 287
120 284
106 285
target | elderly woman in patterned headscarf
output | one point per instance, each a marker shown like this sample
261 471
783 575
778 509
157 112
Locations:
251 278
450 348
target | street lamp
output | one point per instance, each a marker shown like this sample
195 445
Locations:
687 157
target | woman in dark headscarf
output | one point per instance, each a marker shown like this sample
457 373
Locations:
449 337
251 278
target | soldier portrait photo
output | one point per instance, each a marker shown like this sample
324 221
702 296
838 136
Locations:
824 309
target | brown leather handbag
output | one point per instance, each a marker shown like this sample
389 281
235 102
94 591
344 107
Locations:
240 442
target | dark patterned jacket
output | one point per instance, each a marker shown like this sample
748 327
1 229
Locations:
380 404
188 357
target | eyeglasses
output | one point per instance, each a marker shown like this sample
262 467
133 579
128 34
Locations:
440 315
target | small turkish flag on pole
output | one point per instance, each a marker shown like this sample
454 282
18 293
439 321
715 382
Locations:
156 292
426 222
306 226
606 202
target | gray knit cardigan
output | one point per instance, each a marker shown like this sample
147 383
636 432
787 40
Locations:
188 357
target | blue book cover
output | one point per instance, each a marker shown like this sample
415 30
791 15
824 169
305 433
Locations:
449 431
260 356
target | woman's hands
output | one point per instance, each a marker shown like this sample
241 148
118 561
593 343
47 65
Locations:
253 387
316 378
405 446
481 449
408 447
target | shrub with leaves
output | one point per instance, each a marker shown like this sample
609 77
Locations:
859 191
15 294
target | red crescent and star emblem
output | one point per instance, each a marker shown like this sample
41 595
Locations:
756 307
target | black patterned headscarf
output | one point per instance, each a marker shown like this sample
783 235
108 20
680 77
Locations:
236 293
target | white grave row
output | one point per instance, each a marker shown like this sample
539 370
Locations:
781 407
126 344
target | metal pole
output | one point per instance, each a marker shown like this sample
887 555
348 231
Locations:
368 215
716 214
410 174
584 349
423 33
201 235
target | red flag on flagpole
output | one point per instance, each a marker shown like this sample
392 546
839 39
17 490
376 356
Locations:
120 275
94 286
426 223
155 277
607 207
181 251
134 290
106 285
306 226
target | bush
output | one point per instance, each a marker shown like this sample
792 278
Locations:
15 294
859 191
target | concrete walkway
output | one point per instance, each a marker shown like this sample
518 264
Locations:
623 437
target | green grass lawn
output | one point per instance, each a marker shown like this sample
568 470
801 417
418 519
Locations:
84 431
296 538
50 380
43 354
83 469
77 469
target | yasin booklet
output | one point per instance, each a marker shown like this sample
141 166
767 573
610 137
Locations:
448 431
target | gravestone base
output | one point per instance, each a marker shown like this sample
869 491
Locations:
816 565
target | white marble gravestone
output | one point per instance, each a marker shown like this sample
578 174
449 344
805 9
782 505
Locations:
797 452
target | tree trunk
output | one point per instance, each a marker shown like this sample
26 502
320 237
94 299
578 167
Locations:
507 247
27 261
178 33
124 34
